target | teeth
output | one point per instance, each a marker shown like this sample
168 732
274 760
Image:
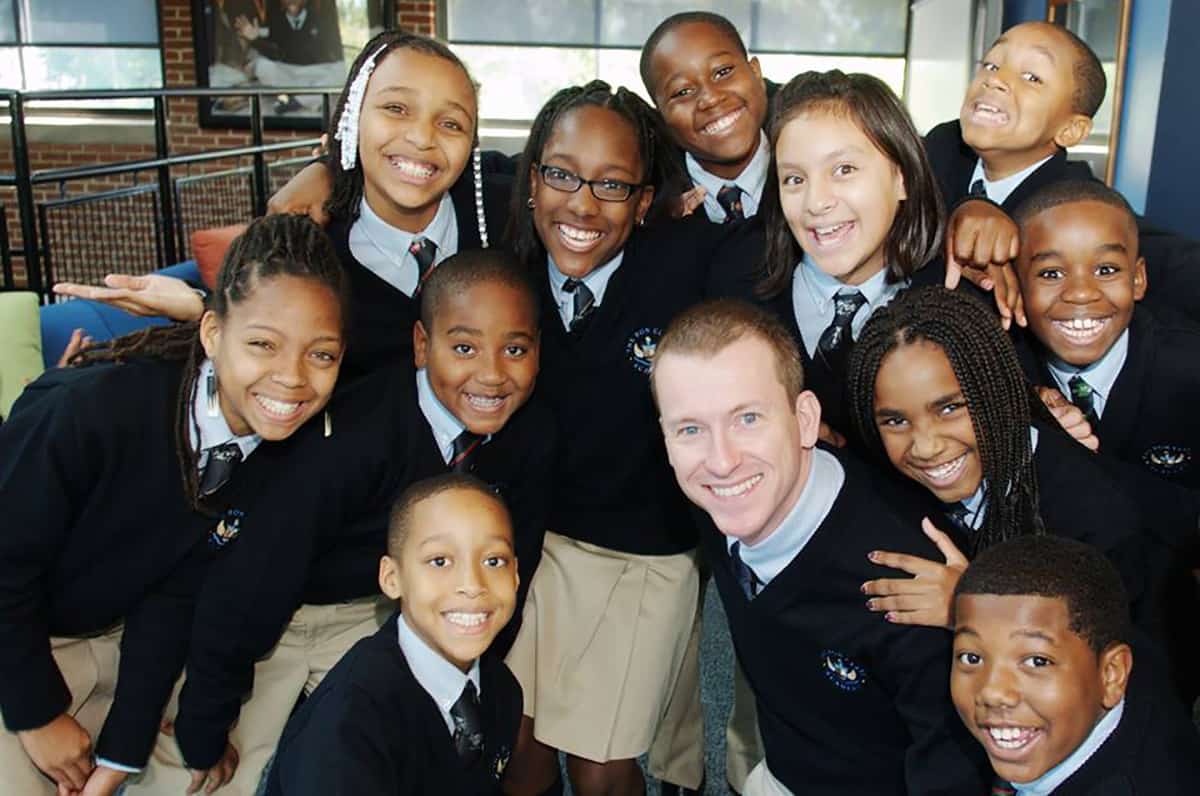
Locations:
1011 737
830 233
737 489
464 619
980 106
281 408
412 168
1082 329
485 402
577 234
946 471
723 124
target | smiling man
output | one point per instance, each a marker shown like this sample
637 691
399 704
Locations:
858 705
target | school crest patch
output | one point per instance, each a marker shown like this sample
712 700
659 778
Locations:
842 672
1167 459
227 529
641 347
500 762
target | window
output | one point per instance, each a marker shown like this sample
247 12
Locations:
79 44
525 50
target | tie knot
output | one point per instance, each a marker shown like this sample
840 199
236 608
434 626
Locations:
572 284
977 188
847 304
730 200
1080 389
219 467
462 450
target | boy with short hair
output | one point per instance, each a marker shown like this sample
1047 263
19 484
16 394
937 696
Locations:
421 706
1044 677
846 703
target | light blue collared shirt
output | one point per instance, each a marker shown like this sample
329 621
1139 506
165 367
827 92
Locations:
214 430
772 555
440 678
596 281
383 250
813 292
974 504
442 422
752 180
1000 190
1046 783
1101 374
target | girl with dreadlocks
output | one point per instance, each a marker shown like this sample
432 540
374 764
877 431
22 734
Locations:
935 387
610 610
402 197
121 480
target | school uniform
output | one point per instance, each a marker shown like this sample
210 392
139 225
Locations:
618 576
329 504
1144 745
96 517
380 723
383 273
1172 261
847 702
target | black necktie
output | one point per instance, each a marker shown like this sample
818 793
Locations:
424 251
836 339
219 468
978 189
959 516
1083 396
585 301
468 725
730 200
463 450
745 576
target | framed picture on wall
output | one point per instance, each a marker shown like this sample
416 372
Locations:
282 44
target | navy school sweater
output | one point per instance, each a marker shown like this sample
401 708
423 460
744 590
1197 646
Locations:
370 728
97 531
848 702
614 487
325 528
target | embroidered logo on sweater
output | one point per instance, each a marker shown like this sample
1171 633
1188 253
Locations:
1167 459
227 529
843 672
642 346
501 761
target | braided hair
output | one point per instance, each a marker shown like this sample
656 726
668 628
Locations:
278 245
346 198
658 161
997 396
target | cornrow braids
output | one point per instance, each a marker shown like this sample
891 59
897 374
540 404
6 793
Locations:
660 168
346 197
993 386
273 246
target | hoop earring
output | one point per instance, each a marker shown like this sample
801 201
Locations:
529 203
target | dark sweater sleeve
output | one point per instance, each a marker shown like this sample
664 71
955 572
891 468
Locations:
942 758
50 460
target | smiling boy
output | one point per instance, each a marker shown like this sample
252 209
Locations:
420 707
1042 677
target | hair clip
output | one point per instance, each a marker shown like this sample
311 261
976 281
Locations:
477 164
213 406
328 425
347 127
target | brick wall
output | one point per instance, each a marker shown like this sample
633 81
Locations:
185 134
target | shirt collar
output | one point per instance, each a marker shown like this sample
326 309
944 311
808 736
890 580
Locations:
214 430
974 504
297 21
771 555
444 425
1000 190
1046 783
1101 375
752 180
822 287
383 249
440 678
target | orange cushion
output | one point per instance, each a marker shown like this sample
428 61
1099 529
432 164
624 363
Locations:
209 247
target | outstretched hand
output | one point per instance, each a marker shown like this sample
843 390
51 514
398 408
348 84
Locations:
149 295
981 243
927 597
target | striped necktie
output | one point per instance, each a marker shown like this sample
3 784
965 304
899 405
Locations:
462 451
1083 396
585 301
222 459
730 200
836 340
424 251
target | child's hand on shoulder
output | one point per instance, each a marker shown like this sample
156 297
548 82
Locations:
62 750
927 597
981 243
1070 417
690 200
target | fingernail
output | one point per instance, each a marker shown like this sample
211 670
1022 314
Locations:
863 588
870 605
891 617
873 555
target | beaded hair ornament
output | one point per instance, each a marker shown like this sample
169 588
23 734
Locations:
347 135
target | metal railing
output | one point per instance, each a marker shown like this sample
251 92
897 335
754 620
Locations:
166 194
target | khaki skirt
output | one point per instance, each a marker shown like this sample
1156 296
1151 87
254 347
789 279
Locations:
602 640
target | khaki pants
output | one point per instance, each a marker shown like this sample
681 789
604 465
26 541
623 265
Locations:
762 782
677 754
316 639
89 666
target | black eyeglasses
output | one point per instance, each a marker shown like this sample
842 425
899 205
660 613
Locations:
606 190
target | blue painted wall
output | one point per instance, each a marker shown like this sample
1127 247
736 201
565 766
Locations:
1017 11
1172 199
1149 26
